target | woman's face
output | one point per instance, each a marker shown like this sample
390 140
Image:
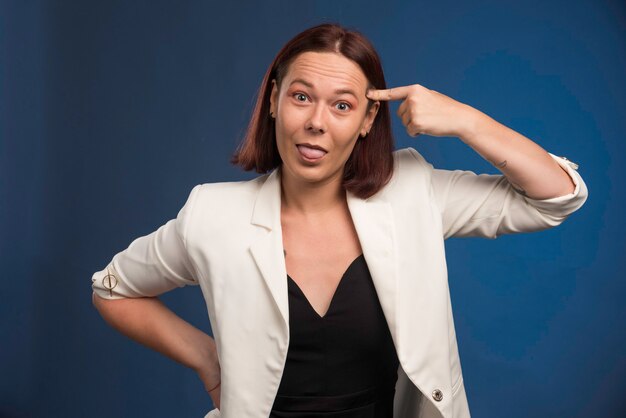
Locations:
321 104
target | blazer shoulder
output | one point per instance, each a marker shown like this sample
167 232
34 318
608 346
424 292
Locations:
220 207
409 156
411 176
230 189
409 165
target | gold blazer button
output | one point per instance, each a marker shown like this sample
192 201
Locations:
109 282
437 395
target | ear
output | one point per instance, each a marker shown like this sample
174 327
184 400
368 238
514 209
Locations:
273 96
369 118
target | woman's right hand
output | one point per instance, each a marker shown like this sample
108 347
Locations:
210 374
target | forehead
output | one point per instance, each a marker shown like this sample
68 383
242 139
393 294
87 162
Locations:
326 68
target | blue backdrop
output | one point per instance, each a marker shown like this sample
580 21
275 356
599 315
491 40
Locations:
112 111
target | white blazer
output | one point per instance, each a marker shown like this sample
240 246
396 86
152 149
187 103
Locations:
227 238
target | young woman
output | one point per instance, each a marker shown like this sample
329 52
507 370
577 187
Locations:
325 278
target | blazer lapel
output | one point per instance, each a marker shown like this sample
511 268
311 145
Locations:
373 221
267 250
374 224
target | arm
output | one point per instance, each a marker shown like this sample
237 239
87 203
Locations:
124 293
528 167
486 205
152 264
537 191
149 322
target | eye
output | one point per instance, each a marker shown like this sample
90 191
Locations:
298 95
346 104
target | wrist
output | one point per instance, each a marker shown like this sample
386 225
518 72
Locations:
206 360
215 387
472 121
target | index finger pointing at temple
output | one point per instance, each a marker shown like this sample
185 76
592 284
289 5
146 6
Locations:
396 93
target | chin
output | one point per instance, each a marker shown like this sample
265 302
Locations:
310 174
313 174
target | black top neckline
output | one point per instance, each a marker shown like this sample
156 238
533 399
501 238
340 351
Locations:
341 280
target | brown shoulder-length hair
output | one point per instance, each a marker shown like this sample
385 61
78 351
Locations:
370 166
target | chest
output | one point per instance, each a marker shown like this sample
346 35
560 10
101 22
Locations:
318 252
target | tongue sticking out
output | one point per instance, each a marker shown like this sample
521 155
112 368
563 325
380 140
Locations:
311 152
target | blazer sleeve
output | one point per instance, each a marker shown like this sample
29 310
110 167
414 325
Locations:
486 205
152 264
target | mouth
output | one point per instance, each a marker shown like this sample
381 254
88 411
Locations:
310 152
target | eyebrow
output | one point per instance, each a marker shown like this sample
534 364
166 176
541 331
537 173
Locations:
338 91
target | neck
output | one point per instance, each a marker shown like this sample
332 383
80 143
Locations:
311 198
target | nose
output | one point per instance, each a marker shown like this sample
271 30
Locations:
316 122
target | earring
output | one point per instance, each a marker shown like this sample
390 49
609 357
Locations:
271 114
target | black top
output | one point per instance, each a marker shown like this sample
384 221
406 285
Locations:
344 361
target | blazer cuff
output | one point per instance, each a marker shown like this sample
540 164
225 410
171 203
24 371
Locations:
566 204
107 284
